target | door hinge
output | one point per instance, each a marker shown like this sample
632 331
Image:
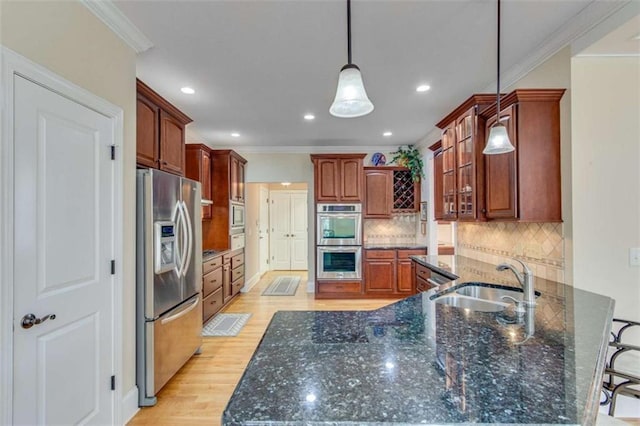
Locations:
273 257
113 152
267 260
113 383
113 267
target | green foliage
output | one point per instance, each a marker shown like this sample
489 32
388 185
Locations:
410 158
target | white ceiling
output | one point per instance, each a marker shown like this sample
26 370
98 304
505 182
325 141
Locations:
259 66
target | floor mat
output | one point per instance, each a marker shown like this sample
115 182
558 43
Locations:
285 285
225 325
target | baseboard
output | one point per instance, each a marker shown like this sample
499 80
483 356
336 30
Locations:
130 405
248 285
311 287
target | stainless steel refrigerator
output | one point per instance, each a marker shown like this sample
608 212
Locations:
168 278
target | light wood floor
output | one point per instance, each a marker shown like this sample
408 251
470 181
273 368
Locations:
199 392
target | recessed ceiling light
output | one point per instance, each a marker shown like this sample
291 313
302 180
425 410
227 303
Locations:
309 116
423 88
187 90
235 134
387 134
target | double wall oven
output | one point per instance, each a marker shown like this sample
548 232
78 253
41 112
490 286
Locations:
339 241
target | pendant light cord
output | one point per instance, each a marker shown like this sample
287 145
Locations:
349 31
498 79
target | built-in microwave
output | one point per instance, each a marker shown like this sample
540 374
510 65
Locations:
339 225
339 263
236 219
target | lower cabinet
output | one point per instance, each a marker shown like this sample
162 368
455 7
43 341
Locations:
387 272
222 279
338 289
421 277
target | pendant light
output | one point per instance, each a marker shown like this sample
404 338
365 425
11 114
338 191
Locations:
351 98
498 141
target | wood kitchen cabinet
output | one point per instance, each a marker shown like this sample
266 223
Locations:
525 184
338 177
438 200
212 287
227 181
387 272
421 277
378 187
160 132
389 190
462 168
198 167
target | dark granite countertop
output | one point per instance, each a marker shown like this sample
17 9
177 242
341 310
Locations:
397 246
417 361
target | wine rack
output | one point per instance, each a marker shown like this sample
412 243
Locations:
405 196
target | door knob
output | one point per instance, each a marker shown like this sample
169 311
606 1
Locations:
30 320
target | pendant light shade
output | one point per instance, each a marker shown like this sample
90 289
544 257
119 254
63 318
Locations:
498 141
351 98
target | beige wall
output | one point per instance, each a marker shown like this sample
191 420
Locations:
606 178
66 38
548 247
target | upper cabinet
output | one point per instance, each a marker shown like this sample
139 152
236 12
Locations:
462 171
338 177
236 176
198 167
438 199
525 184
160 132
389 190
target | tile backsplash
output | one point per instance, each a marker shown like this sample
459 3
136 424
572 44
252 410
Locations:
400 229
539 245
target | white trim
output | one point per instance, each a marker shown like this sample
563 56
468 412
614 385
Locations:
311 286
252 282
130 405
15 64
588 18
263 149
117 22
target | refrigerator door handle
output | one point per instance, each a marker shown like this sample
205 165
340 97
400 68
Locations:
189 254
180 240
182 312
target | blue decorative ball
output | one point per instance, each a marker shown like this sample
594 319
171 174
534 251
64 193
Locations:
378 159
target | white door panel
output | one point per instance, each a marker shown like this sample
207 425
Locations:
63 246
263 230
289 233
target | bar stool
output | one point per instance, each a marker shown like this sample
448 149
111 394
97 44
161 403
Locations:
628 382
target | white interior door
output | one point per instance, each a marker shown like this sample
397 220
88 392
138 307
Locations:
63 246
263 229
289 231
299 231
280 215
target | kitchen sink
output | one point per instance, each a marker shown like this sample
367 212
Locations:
494 293
482 297
471 303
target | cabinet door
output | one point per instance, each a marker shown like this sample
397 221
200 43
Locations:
205 180
449 169
198 167
171 144
234 189
438 200
379 275
350 180
240 180
466 166
378 197
327 179
227 289
405 281
501 173
147 127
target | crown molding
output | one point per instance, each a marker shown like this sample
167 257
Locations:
308 149
588 18
117 22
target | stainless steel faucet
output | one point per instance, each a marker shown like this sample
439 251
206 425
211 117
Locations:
525 279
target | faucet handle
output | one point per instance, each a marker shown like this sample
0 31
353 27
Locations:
520 304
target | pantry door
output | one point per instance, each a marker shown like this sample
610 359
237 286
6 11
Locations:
289 230
64 243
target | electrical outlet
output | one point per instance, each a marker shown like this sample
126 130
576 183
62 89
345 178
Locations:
634 256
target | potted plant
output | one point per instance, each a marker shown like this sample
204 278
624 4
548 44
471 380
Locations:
410 158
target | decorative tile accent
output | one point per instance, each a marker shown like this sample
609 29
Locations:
400 229
540 245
